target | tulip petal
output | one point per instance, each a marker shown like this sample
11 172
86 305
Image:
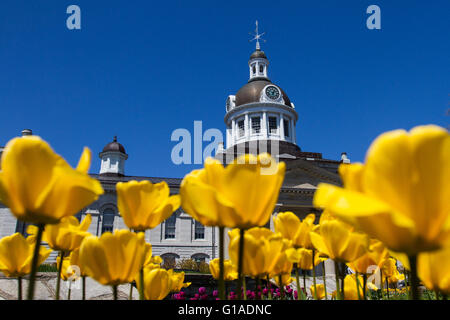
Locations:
85 160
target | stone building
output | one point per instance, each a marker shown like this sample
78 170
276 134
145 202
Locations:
259 117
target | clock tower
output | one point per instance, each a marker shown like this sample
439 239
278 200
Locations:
260 117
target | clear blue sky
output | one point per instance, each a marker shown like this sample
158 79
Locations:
141 69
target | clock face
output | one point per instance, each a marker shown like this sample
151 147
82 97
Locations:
272 92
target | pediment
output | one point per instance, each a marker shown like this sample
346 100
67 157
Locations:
304 174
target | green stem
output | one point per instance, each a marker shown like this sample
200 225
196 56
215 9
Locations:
314 274
381 284
244 287
357 285
19 288
387 287
324 278
414 293
130 296
338 289
83 293
280 284
58 278
269 287
304 285
297 282
34 263
240 263
114 287
436 294
364 285
258 288
141 279
222 295
70 290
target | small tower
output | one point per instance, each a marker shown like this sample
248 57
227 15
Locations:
113 159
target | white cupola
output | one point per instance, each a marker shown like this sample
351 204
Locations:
113 159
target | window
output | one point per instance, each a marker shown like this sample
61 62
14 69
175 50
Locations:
256 125
21 227
108 220
199 230
273 125
199 257
241 128
254 69
169 232
286 127
261 68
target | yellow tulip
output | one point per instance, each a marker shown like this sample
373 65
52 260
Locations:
68 272
434 270
400 195
157 283
374 257
16 254
351 285
230 270
320 291
177 281
291 227
75 261
303 258
336 240
144 205
262 250
283 264
389 267
242 195
114 258
66 235
39 186
286 280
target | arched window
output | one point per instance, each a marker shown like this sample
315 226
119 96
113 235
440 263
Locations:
199 230
199 257
261 68
169 260
170 224
108 220
254 69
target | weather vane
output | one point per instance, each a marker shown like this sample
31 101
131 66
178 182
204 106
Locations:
257 36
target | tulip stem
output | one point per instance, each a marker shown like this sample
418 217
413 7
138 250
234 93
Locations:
357 285
130 296
114 287
297 282
70 290
280 280
58 278
222 295
387 288
414 293
83 293
305 295
19 288
269 286
324 277
336 272
240 263
314 274
364 285
141 277
34 263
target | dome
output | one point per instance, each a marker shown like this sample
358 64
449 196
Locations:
114 147
258 54
251 92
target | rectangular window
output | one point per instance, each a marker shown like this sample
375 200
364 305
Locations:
169 232
286 127
199 230
273 127
241 128
108 220
256 125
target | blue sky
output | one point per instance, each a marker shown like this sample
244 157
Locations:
141 69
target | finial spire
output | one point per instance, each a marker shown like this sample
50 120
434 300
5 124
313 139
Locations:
257 36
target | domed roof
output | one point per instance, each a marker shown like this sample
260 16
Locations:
251 92
258 54
114 147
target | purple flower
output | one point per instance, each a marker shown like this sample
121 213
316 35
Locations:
215 293
202 290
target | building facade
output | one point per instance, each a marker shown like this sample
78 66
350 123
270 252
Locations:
260 117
